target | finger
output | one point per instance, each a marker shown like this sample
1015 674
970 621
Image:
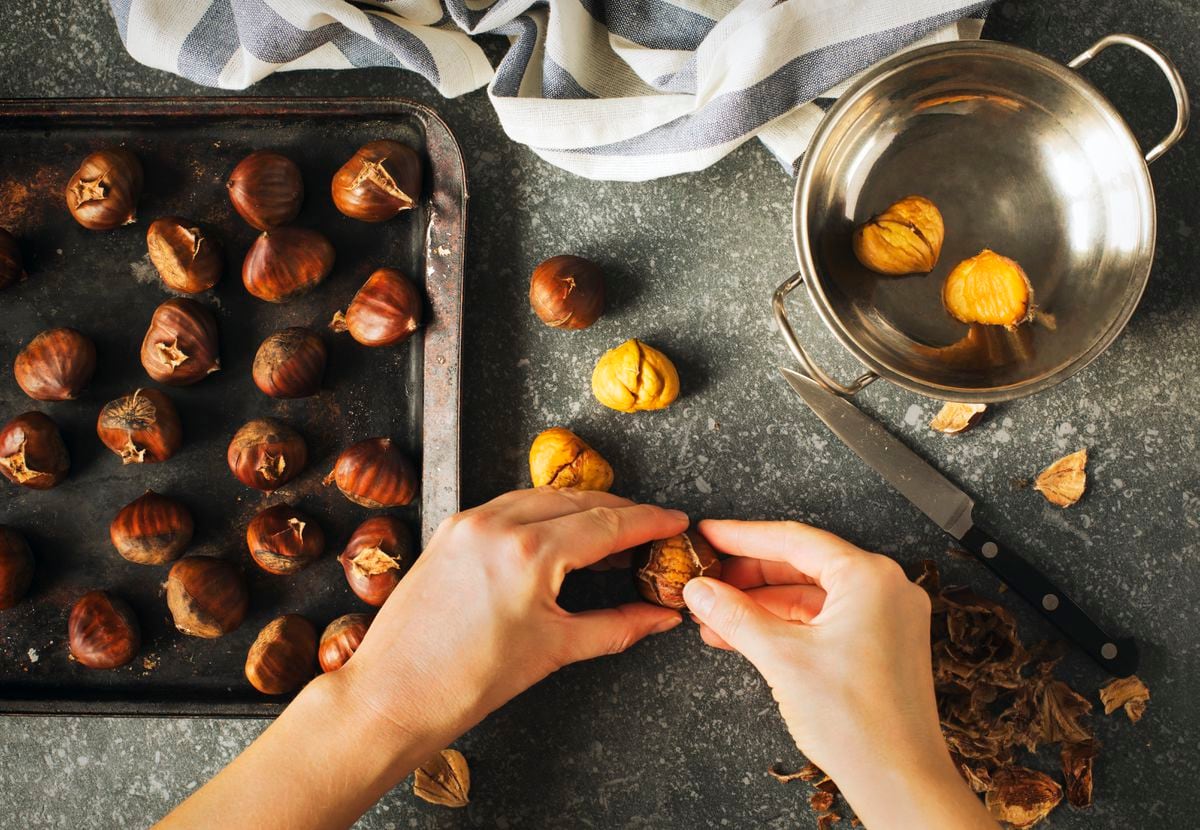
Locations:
814 552
792 603
736 618
613 630
744 573
711 638
545 503
581 539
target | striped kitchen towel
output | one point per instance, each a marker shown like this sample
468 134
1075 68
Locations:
608 89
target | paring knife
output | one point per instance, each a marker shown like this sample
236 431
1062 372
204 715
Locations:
950 508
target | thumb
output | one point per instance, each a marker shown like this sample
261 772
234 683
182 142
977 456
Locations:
613 630
735 617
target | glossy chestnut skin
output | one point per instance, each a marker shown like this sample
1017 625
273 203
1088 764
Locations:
266 454
283 540
283 656
379 181
141 427
266 189
12 267
341 639
567 292
385 311
104 191
32 452
186 258
102 631
377 556
286 262
180 346
152 529
290 363
207 596
56 365
375 473
16 567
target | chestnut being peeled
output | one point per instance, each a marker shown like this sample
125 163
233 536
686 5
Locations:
385 311
380 181
266 454
378 554
283 656
669 564
341 639
186 258
32 452
374 473
180 346
266 189
56 365
152 529
12 267
567 292
102 631
141 427
290 363
207 596
282 540
284 263
104 191
16 567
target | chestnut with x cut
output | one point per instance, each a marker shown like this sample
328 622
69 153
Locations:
103 193
180 346
381 180
32 452
377 556
567 292
283 540
186 258
140 427
266 454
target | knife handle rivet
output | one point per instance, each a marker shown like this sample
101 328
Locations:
1108 651
1050 602
990 549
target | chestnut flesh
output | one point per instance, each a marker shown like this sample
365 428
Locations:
16 567
207 596
186 258
282 540
283 656
180 346
286 262
377 556
104 191
152 529
666 565
290 363
567 292
56 365
341 639
12 268
266 189
140 427
379 181
375 473
266 454
32 452
102 631
385 311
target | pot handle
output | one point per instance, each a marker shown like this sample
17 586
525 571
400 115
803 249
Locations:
811 369
1168 69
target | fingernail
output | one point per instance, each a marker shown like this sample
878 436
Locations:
699 596
679 514
667 625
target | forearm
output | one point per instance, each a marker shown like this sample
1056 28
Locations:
926 792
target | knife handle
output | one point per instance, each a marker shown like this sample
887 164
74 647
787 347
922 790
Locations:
1118 656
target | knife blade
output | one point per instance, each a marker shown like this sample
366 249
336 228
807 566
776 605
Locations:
953 510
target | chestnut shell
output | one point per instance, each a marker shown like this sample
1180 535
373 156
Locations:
567 292
103 193
266 189
32 452
341 639
376 558
266 454
290 363
283 540
286 262
180 346
666 565
102 631
56 365
207 596
140 427
283 656
152 529
12 267
16 567
375 473
186 258
379 181
386 310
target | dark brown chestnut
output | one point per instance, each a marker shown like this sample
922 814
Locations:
290 363
16 567
102 631
12 268
266 454
186 258
152 529
567 292
341 639
282 540
180 346
286 262
375 473
207 596
266 189
379 181
56 365
378 554
32 452
141 427
283 656
385 311
104 191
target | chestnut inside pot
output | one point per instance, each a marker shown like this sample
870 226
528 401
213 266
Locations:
103 193
266 454
16 567
375 473
56 365
207 596
380 181
266 189
384 312
102 631
341 639
283 656
283 540
152 529
290 363
180 346
32 452
376 558
141 427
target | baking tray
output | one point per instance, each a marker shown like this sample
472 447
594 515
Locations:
103 285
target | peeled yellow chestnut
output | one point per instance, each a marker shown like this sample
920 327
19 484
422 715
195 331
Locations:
379 181
341 639
207 596
266 454
283 656
12 267
282 540
180 346
152 529
187 259
904 239
290 363
560 458
266 189
567 292
374 473
102 631
286 262
378 554
385 311
141 427
634 377
56 365
16 567
990 289
104 191
669 564
32 452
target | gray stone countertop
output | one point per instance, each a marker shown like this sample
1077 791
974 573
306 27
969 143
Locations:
672 734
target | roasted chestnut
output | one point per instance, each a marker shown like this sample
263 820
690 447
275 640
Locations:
340 640
266 454
386 310
12 267
56 365
104 191
286 262
266 189
180 347
152 529
669 564
567 292
379 181
378 554
282 540
32 452
140 427
207 596
374 473
186 258
16 567
102 631
283 655
290 363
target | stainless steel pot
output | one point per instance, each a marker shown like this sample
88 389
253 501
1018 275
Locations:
1023 156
